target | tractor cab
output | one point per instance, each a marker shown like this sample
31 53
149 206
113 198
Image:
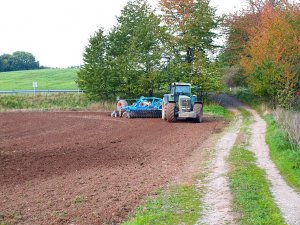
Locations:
181 89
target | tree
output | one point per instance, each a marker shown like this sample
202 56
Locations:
129 59
142 39
267 36
94 76
272 56
208 75
192 25
24 61
141 55
18 61
6 63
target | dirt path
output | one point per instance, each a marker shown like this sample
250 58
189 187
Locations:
217 199
286 198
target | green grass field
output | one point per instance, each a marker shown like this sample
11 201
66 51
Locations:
48 79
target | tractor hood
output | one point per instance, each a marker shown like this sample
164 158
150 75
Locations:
184 103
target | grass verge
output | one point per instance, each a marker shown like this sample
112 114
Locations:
282 137
51 102
285 155
75 102
178 205
216 110
252 197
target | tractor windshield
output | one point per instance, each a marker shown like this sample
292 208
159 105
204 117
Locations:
183 90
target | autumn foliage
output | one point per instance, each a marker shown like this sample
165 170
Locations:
267 40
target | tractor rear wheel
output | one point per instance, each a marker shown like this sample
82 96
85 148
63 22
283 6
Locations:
170 112
198 109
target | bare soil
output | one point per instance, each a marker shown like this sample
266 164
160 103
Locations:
88 168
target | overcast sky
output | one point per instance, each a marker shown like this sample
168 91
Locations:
57 31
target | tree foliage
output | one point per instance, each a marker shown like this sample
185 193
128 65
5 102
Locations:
191 27
18 61
126 61
265 41
144 52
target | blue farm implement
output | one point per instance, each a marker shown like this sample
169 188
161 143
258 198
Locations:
144 107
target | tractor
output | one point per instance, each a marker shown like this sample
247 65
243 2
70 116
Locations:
181 104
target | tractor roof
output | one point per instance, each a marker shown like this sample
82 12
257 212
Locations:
181 84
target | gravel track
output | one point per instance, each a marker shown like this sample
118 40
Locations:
217 198
285 197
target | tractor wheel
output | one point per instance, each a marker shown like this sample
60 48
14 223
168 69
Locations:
170 113
163 111
198 108
121 104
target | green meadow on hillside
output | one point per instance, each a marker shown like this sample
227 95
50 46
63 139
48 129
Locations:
48 79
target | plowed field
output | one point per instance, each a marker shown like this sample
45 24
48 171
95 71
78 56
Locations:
88 168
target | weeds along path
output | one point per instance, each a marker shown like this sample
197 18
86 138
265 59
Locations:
217 197
286 198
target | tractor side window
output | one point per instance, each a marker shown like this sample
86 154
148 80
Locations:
172 89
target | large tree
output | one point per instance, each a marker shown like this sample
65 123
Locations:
95 76
142 55
18 61
264 41
24 61
129 56
192 27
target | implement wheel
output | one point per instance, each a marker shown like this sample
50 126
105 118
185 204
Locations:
121 104
170 112
198 108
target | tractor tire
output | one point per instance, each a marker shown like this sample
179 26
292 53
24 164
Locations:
198 109
163 112
170 113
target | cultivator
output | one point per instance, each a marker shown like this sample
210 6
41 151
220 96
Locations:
144 107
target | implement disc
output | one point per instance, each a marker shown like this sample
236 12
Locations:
144 114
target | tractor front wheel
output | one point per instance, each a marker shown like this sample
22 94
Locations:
170 113
163 111
198 109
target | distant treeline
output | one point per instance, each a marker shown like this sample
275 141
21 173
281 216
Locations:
18 61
